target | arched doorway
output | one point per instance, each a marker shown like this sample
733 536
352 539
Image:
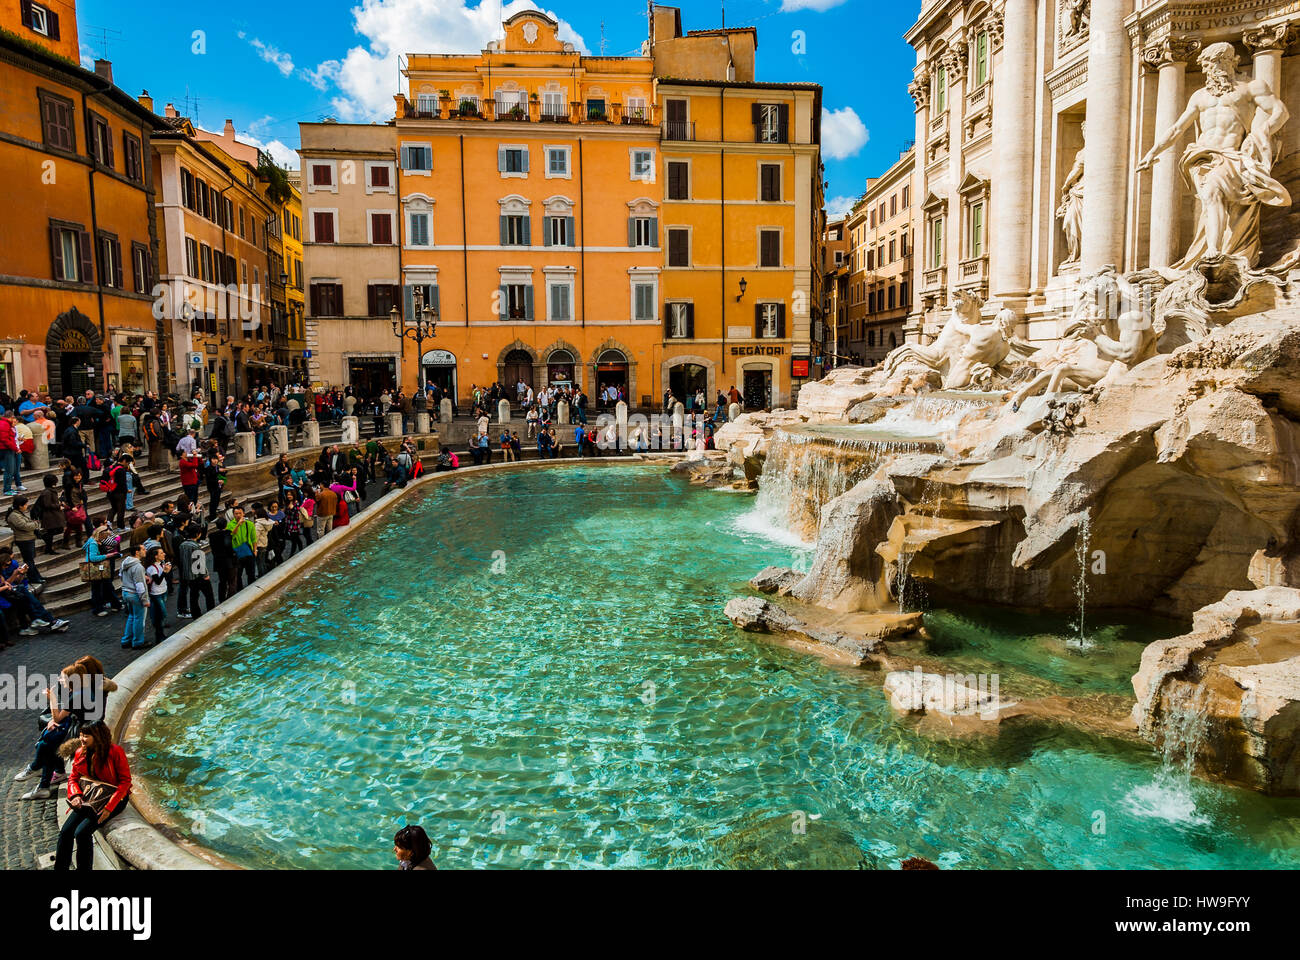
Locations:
756 386
611 371
685 379
518 366
74 355
560 369
439 366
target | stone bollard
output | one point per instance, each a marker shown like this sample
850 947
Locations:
679 429
394 424
422 422
444 410
733 413
562 413
279 439
503 411
245 448
310 433
351 431
620 414
40 452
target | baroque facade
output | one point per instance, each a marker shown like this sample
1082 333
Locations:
1035 123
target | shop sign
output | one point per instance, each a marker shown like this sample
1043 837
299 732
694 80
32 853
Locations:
755 350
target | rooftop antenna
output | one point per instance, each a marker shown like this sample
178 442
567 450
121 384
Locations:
105 37
602 38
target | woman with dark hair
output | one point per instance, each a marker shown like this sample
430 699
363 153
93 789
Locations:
412 848
97 791
25 527
156 569
49 508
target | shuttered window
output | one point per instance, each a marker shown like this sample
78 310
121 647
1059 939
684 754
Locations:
110 261
679 248
70 253
327 299
381 228
770 178
770 248
56 121
679 180
643 302
643 232
323 226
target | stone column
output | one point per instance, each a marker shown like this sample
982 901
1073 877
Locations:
733 413
245 448
1011 219
1169 58
444 410
1267 45
503 411
279 440
394 424
620 414
1106 153
562 413
955 59
920 91
310 433
351 430
422 422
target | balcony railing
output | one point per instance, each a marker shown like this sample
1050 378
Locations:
678 130
532 111
934 279
974 270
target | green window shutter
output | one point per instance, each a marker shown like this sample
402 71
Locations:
528 302
408 302
528 230
504 307
758 320
505 228
780 321
654 231
546 231
631 231
569 234
501 159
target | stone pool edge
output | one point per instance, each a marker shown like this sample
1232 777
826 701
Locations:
139 835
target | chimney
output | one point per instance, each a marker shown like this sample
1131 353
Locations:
104 68
229 130
146 101
170 111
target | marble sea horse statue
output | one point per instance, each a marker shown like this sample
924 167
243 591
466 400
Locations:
1088 357
967 350
1231 161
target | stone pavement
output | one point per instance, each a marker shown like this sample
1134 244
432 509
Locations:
28 828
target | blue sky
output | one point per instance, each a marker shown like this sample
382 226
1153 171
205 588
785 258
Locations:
269 68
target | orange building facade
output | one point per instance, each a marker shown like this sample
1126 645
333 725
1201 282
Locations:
76 285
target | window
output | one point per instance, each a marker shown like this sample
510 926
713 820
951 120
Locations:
976 244
241 221
907 196
769 246
322 175
873 219
554 106
416 158
141 268
205 263
327 299
381 298
417 229
770 182
644 297
936 253
643 232
892 293
322 226
517 301
903 301
515 230
892 250
643 165
559 231
676 126
561 302
192 257
56 121
40 19
286 220
771 122
679 247
681 321
381 228
941 89
70 253
427 103
871 260
557 161
769 321
378 178
981 58
101 140
595 108
513 161
679 180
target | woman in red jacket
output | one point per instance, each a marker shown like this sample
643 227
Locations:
99 758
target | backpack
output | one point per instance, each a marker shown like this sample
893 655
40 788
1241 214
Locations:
107 483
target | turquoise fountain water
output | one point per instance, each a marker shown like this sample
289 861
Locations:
577 699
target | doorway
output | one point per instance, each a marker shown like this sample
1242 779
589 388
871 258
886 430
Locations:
757 388
559 369
611 371
685 379
439 367
369 378
518 366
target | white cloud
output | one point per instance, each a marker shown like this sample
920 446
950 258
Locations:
843 133
87 56
367 77
819 6
271 54
283 154
837 207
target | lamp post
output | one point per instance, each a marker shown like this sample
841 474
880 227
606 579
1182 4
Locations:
422 326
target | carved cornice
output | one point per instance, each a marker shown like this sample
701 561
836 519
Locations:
919 88
954 58
1170 50
997 28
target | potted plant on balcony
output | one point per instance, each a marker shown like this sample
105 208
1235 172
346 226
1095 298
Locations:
467 108
517 112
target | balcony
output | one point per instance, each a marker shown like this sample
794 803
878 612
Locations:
681 130
936 279
973 272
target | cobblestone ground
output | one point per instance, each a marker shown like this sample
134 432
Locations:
28 828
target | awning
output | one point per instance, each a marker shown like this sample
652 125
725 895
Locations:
267 365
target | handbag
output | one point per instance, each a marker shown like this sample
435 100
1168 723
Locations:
93 571
96 793
75 516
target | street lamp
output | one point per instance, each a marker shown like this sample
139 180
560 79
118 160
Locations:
743 285
422 326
